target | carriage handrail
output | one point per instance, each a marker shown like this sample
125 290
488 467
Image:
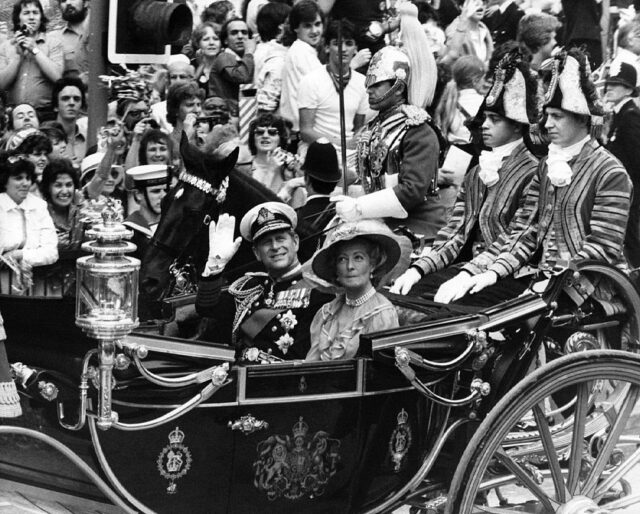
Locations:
417 360
85 376
198 377
196 400
478 387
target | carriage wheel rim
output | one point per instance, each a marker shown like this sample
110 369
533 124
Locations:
564 372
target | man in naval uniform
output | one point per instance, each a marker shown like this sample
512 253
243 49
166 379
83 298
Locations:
264 314
397 154
151 187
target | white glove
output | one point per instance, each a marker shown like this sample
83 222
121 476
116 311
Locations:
381 204
405 282
486 279
454 288
222 245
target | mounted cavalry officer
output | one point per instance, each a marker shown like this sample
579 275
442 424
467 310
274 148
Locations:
398 153
578 202
493 190
270 311
151 187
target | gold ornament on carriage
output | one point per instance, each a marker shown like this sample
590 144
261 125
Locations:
400 441
297 465
174 460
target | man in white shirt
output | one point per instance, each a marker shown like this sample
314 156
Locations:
306 21
180 70
318 98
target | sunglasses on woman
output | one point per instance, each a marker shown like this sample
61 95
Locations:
261 131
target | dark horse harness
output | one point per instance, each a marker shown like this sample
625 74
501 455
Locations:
184 276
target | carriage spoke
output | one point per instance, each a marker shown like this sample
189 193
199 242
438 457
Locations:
612 438
577 443
526 480
617 474
550 452
497 510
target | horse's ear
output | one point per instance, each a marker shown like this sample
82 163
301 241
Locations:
230 160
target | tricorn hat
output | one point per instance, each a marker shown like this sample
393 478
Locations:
321 161
623 74
514 93
397 249
572 89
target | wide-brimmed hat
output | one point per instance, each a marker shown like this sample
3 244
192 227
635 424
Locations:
266 218
321 161
397 249
623 74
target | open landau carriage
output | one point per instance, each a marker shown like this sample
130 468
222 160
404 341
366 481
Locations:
527 406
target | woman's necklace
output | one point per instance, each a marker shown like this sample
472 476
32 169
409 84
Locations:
361 300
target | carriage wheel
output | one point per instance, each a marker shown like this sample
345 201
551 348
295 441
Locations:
562 472
619 330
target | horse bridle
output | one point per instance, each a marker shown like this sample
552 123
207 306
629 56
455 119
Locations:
217 194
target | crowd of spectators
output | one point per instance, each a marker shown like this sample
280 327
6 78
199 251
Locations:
263 74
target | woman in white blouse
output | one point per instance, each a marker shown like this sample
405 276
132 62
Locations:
27 235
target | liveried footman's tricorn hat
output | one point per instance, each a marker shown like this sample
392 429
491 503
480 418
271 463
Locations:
572 89
514 93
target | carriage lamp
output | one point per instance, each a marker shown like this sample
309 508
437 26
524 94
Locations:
107 298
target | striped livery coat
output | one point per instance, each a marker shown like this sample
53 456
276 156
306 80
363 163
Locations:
588 217
491 208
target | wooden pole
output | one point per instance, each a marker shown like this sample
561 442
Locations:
605 22
98 93
343 129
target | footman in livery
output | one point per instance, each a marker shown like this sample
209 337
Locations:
266 313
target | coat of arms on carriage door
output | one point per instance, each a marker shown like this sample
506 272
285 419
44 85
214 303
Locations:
297 465
174 460
400 441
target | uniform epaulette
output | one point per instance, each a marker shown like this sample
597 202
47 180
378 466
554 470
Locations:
415 115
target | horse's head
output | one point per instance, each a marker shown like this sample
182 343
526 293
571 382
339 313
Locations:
186 209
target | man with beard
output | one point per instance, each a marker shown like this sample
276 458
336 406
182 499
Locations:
75 36
151 187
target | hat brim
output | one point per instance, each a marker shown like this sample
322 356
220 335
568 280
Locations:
396 248
619 82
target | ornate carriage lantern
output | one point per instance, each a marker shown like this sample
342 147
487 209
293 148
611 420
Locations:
107 298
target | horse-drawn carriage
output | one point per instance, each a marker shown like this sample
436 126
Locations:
527 406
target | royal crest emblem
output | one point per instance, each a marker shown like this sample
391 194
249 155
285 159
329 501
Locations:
400 441
295 466
174 460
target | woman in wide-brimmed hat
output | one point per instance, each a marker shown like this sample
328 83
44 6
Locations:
356 258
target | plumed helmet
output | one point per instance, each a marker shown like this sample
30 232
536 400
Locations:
389 63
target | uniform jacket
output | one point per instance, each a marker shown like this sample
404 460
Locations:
141 233
491 209
589 216
400 150
623 141
256 311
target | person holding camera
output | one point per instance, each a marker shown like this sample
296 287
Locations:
32 60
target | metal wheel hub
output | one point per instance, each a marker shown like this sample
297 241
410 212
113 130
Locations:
581 505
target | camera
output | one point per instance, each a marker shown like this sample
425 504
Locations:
221 118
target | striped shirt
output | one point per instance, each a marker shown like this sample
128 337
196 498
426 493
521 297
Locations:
585 220
491 208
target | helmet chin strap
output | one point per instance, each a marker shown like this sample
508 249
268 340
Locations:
388 94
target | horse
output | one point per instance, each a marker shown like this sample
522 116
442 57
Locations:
207 188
